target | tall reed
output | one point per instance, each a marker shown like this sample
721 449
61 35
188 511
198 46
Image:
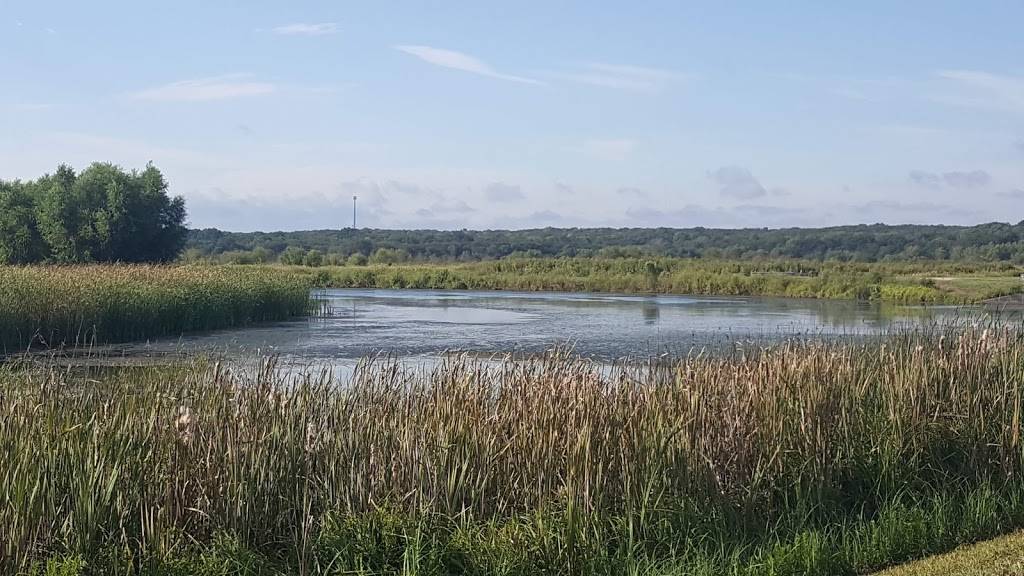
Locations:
52 306
825 458
896 282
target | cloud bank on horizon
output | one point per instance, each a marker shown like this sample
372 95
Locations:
531 115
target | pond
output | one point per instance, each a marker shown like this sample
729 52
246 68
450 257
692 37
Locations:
424 324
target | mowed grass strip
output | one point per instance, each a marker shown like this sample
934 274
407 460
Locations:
1002 556
53 306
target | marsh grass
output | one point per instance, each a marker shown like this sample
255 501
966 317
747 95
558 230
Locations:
888 282
829 458
54 306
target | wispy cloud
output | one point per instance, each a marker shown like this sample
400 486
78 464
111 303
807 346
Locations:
563 188
300 29
978 89
205 89
32 107
972 179
501 192
623 77
852 94
451 205
612 149
895 212
460 61
958 180
631 191
742 216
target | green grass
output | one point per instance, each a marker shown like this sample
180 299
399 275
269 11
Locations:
812 459
980 287
910 283
1003 556
52 306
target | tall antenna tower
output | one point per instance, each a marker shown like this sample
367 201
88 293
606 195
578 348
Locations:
354 212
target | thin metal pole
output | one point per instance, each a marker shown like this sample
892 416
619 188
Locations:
354 212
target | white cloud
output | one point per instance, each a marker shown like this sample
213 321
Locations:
623 77
631 191
972 179
959 180
983 90
460 61
205 89
852 94
612 149
563 188
451 205
742 216
737 182
32 107
299 29
501 192
895 212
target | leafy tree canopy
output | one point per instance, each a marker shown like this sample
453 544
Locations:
103 214
995 242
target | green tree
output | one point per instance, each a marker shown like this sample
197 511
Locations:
261 255
356 259
137 221
20 242
157 219
292 255
313 258
107 214
389 256
60 217
652 270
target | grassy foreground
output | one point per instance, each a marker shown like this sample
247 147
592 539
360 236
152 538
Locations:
927 282
65 305
814 459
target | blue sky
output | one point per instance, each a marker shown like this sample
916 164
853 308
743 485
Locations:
271 115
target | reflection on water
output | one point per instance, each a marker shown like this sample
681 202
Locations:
423 324
650 311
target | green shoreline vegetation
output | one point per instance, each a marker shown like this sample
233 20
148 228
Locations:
55 306
811 459
904 283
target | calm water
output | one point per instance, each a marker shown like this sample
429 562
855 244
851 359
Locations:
423 324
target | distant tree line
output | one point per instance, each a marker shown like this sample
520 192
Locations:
103 214
995 242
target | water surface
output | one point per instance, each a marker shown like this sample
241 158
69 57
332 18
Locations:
424 324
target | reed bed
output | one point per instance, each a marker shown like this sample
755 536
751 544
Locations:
898 282
828 458
53 306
